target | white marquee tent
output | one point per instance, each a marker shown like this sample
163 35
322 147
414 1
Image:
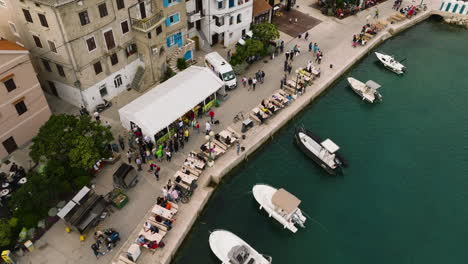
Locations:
165 103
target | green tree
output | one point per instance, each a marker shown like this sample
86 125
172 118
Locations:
68 139
253 47
265 32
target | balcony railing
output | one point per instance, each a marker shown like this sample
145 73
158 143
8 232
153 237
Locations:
147 24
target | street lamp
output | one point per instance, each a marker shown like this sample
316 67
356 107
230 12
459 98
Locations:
209 137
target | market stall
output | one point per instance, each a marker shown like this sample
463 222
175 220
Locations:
183 95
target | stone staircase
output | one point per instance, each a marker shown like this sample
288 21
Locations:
138 78
179 53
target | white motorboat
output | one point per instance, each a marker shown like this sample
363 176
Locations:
231 249
280 205
368 91
390 63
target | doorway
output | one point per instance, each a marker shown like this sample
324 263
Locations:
10 145
53 89
214 39
142 10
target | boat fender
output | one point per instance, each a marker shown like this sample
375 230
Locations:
260 207
269 215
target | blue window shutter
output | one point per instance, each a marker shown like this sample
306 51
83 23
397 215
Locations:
168 21
168 41
178 39
176 18
165 3
231 3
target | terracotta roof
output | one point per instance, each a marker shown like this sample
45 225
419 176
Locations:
8 45
260 7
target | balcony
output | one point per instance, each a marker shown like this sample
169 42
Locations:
194 16
147 24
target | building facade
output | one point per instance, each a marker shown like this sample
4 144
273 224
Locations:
87 51
219 21
23 107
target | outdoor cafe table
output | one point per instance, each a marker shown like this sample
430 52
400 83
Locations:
163 212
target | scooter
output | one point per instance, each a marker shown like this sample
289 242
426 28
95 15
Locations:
104 106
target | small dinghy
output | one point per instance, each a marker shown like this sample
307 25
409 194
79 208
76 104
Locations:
390 63
231 249
368 91
323 153
281 205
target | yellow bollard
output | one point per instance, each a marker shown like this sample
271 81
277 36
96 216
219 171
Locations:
67 229
82 238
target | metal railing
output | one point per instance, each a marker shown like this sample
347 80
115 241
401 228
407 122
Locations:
149 23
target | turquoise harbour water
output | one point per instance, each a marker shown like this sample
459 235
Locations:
404 196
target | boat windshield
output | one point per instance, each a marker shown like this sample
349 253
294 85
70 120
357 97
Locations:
228 76
240 255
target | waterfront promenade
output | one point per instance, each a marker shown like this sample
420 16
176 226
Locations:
333 37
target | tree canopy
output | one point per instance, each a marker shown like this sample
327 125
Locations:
76 141
265 32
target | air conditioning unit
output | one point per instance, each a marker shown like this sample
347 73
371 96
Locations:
155 51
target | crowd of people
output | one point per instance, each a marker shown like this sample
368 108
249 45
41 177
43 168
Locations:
252 82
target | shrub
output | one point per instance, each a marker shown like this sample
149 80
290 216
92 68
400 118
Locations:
168 74
82 181
181 64
240 68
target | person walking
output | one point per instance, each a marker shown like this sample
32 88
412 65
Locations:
197 126
282 46
310 46
121 142
129 157
287 55
151 165
148 154
244 81
320 57
211 114
285 66
238 146
376 13
289 68
168 155
254 82
156 172
315 48
262 73
159 153
250 81
306 36
186 135
97 116
207 127
176 145
138 162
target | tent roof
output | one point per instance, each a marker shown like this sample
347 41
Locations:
284 200
373 84
166 102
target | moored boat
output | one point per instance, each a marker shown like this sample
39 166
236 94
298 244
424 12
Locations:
368 91
231 249
390 63
281 205
323 153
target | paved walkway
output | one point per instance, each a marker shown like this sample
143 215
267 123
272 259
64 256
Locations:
334 38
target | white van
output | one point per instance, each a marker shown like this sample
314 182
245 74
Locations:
222 69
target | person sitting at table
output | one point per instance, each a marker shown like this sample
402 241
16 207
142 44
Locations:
167 223
149 227
178 179
259 116
186 171
228 140
175 195
142 240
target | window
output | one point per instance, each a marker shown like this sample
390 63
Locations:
231 20
27 16
38 42
170 2
21 107
220 4
60 70
84 18
174 39
52 46
37 4
172 19
117 81
124 26
239 19
114 59
219 21
10 84
103 90
158 30
109 37
190 25
13 28
231 3
91 43
120 4
149 35
131 49
97 67
103 10
46 65
43 20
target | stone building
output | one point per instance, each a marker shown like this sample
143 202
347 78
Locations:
85 51
23 107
